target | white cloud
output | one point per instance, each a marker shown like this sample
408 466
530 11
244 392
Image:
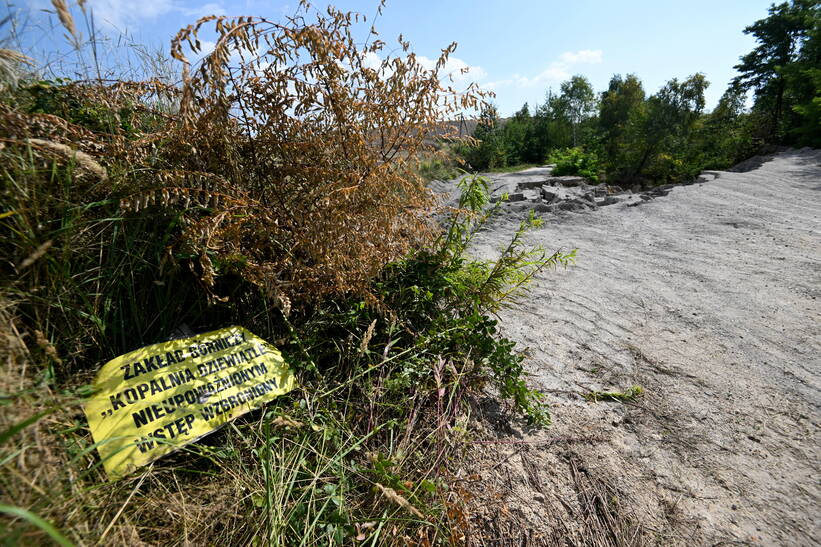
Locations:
490 86
456 69
124 14
372 61
555 72
586 56
121 14
210 8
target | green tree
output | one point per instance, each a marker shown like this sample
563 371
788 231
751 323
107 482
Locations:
559 127
489 122
803 86
661 136
779 37
538 139
580 102
620 106
489 148
725 137
515 134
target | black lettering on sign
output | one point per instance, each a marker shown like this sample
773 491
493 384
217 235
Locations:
170 405
211 346
175 429
127 374
153 362
145 444
139 392
221 363
210 411
116 401
148 415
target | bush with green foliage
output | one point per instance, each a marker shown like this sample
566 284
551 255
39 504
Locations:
488 148
515 134
724 137
575 161
448 297
386 374
782 71
123 220
59 98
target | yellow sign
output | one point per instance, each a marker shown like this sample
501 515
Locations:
156 399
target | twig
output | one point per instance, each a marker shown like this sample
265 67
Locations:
110 524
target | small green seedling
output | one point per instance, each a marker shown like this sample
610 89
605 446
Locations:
630 394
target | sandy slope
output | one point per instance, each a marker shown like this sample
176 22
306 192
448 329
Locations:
709 299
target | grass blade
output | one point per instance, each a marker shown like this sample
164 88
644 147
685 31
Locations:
46 527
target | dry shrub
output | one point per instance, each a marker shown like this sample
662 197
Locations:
322 142
287 159
290 153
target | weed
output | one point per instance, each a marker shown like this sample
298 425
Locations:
439 166
630 394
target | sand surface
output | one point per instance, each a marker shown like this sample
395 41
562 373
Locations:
708 298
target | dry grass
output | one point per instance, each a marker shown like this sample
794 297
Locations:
268 479
276 189
289 158
64 15
548 492
605 522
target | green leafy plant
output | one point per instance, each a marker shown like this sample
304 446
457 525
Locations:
575 161
630 394
450 296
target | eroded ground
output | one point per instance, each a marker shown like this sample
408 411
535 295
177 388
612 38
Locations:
708 299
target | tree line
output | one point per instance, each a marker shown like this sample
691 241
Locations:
629 137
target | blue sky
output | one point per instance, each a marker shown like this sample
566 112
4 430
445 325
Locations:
517 48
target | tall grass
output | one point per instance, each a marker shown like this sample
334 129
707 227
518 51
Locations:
122 221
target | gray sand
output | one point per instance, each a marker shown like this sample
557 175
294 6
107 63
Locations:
706 297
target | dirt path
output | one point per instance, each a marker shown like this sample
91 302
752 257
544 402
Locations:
708 298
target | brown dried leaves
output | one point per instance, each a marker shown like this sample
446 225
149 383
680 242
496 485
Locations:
291 154
321 139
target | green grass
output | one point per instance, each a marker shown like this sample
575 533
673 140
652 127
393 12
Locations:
372 429
628 395
438 167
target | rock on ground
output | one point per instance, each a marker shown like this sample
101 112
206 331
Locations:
708 298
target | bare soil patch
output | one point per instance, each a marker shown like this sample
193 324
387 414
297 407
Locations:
708 298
